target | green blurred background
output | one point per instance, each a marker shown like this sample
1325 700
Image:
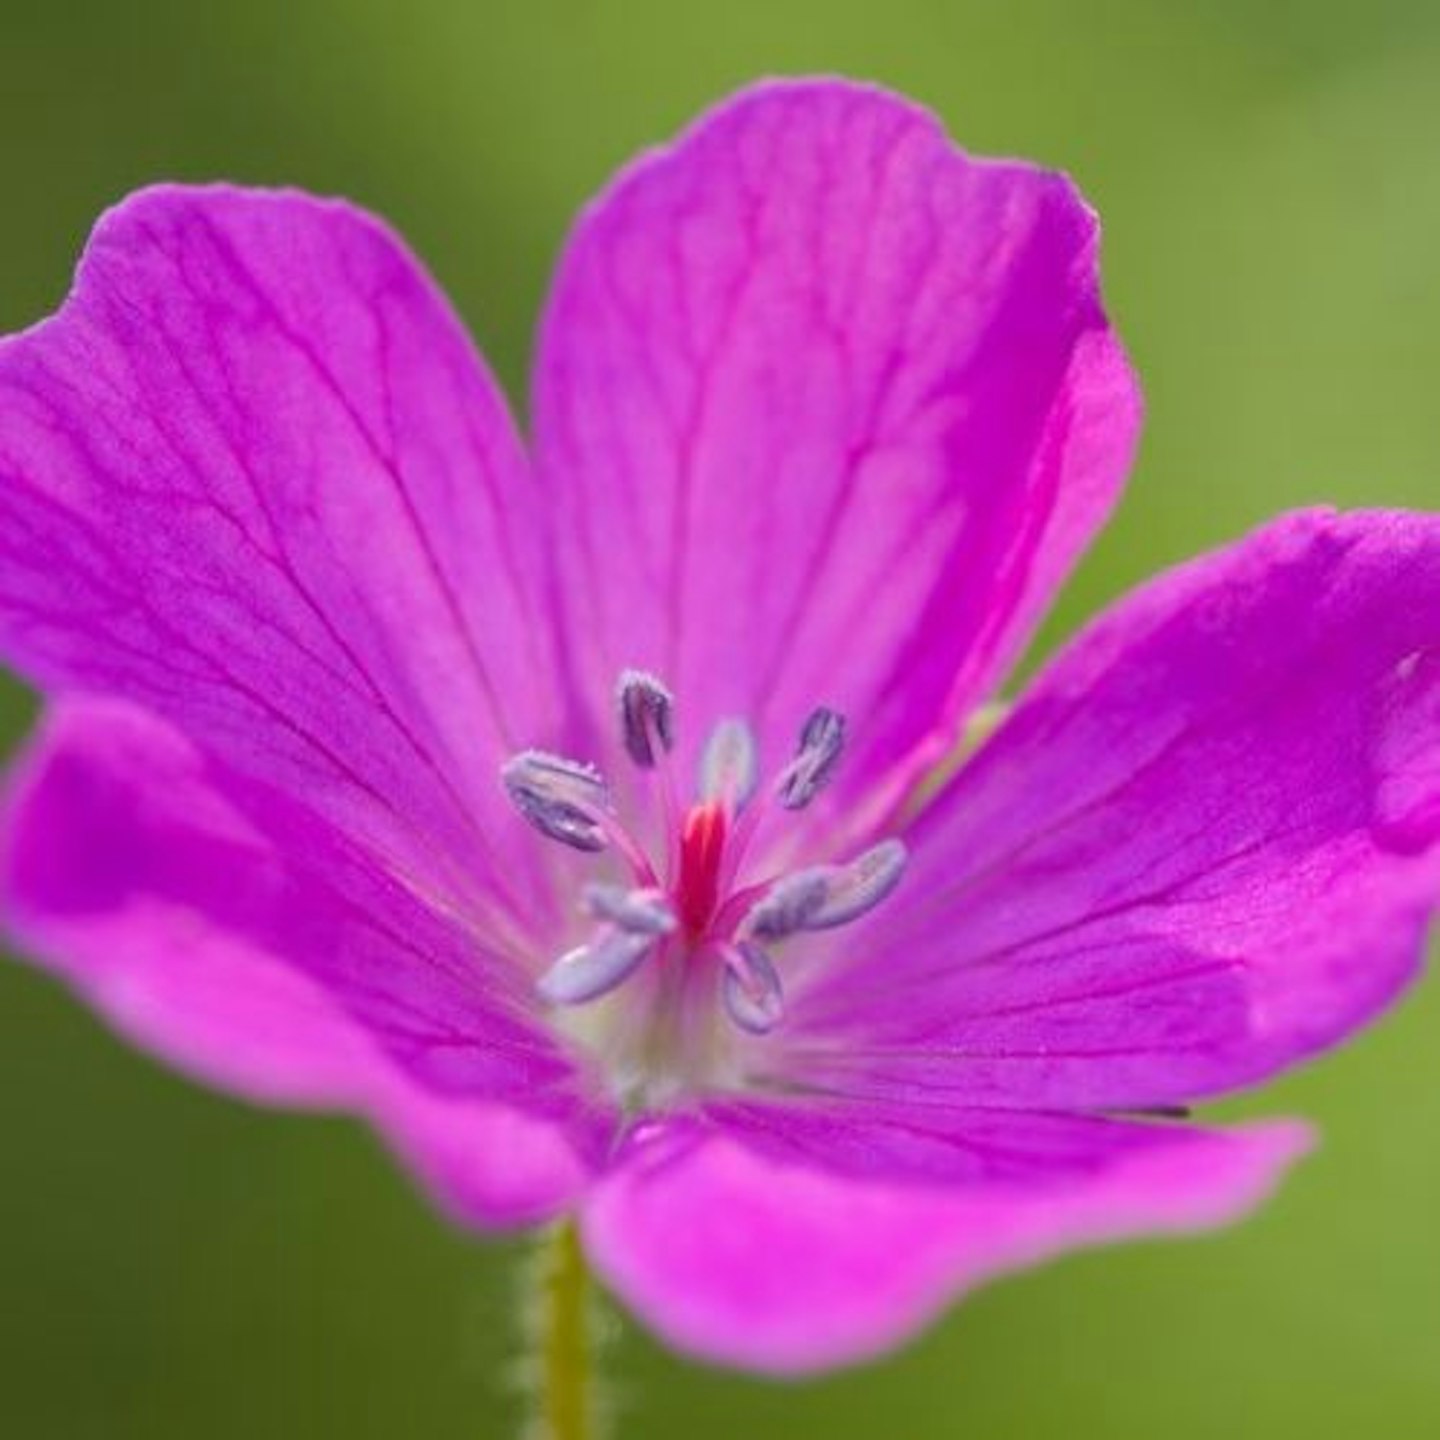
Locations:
173 1264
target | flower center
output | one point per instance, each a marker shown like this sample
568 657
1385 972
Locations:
696 928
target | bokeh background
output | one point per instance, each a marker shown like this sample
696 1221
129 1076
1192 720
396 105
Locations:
174 1264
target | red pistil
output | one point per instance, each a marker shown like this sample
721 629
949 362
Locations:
702 846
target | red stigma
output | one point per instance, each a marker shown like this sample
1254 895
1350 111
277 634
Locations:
702 845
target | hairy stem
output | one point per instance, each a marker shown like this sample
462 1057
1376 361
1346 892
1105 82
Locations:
562 1340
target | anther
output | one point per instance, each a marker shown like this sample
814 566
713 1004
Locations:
822 738
730 764
590 971
751 989
827 895
558 797
788 905
855 889
639 912
647 717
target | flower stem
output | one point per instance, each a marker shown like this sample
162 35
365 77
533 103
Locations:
562 1340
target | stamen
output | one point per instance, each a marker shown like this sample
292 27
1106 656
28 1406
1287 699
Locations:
822 738
590 971
640 912
559 797
704 912
855 889
730 765
647 717
826 895
751 989
788 905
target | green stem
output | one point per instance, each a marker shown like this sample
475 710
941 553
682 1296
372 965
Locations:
563 1340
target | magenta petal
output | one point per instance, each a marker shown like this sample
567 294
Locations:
486 1165
829 409
750 1260
292 973
254 477
1206 845
941 1144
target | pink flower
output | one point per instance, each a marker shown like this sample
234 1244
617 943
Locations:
824 412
